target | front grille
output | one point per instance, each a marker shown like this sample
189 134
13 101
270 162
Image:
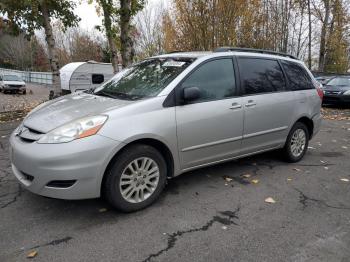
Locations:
28 177
332 92
29 135
15 86
61 183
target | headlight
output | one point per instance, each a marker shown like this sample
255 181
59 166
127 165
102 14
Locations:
347 93
81 128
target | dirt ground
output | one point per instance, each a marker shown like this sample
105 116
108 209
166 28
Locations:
36 94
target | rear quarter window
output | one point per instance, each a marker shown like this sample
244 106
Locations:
298 78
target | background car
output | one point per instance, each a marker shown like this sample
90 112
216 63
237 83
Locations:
323 79
12 84
337 91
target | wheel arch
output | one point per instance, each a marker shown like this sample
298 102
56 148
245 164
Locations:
156 143
309 124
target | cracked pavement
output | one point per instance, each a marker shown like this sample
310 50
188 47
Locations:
211 214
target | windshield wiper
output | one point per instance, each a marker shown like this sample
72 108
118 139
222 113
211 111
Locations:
106 94
90 90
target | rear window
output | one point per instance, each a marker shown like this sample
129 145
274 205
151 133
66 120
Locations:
298 78
261 75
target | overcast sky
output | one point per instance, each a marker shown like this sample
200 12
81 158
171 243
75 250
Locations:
89 17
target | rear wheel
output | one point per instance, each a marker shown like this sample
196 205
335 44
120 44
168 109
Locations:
136 178
297 143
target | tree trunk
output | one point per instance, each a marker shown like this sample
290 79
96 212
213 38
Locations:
310 32
302 7
126 46
322 57
52 53
107 13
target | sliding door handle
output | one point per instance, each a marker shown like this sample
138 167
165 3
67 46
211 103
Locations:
250 103
236 106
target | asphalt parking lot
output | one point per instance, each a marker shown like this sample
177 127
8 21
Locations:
212 214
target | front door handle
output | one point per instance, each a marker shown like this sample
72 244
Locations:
236 106
250 103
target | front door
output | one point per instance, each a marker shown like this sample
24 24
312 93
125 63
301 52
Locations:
210 128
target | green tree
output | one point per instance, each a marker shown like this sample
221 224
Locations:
29 15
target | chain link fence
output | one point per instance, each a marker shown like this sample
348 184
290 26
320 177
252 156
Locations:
31 77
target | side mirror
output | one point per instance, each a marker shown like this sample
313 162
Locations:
191 94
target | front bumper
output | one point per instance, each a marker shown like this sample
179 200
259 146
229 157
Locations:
336 99
84 161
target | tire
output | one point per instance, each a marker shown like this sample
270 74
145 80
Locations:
24 92
291 153
112 188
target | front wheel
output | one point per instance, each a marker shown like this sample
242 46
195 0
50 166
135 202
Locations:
297 143
136 178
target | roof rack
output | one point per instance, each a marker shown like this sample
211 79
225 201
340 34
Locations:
253 50
175 51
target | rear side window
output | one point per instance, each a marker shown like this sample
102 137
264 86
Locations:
98 78
215 80
298 78
261 75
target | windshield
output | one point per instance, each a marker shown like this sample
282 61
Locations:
145 79
339 81
11 78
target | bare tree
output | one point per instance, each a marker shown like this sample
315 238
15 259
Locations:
150 36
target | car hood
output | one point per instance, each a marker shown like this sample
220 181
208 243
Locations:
336 88
55 113
15 83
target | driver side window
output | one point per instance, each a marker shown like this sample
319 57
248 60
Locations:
215 80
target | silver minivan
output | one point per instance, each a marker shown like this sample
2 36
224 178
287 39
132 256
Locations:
162 117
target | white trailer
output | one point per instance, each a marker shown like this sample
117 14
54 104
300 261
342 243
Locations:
84 75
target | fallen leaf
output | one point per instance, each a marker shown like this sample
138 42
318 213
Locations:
289 179
226 184
344 147
224 227
270 200
345 180
228 179
326 167
255 181
310 147
296 169
3 136
247 175
322 161
32 254
102 210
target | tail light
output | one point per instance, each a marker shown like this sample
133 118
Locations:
319 90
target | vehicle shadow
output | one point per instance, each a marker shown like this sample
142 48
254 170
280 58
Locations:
95 211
